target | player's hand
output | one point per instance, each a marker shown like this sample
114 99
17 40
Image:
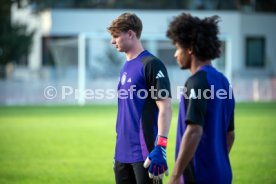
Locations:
157 160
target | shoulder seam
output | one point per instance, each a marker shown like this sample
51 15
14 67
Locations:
148 59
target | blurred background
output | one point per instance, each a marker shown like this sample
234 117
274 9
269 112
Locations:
66 43
46 45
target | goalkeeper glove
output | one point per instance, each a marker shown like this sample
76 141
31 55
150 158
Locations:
157 160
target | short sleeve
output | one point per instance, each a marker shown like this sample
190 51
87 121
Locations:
196 100
157 79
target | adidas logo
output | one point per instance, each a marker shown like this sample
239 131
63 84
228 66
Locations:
129 80
160 75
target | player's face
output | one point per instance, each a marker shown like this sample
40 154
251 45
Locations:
121 41
183 57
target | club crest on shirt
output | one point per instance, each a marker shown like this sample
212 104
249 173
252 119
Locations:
123 78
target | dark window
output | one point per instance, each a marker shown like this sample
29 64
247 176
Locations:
59 51
255 51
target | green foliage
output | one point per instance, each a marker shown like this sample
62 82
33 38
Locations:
15 39
71 144
15 43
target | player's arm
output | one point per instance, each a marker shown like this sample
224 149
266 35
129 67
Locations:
157 160
157 77
164 117
188 147
195 118
230 140
230 133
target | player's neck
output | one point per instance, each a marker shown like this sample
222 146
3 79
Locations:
197 64
136 49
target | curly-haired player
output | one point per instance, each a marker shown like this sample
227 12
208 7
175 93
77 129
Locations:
205 132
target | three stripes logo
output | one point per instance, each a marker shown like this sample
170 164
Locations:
160 75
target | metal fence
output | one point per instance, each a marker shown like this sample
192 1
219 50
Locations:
64 90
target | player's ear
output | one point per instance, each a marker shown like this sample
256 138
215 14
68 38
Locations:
131 33
190 51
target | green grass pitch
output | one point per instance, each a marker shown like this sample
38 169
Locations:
74 145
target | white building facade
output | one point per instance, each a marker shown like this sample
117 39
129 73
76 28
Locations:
248 53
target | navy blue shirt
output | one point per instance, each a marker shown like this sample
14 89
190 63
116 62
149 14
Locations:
143 80
207 101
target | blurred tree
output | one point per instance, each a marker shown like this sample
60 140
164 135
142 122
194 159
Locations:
15 40
258 5
267 6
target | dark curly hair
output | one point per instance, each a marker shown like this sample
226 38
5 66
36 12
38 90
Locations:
199 35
